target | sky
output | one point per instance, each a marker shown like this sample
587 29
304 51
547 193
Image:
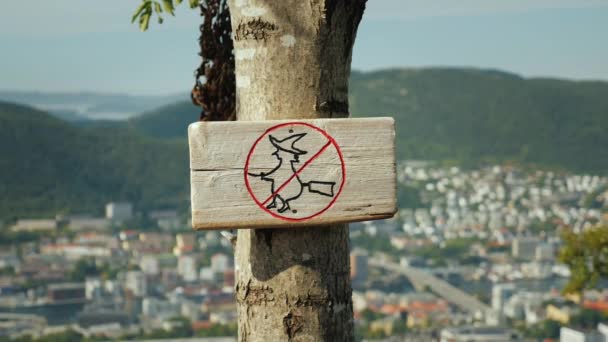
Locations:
86 45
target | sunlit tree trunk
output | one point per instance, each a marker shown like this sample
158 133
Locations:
293 62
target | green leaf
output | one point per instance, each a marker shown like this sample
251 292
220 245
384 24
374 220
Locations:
168 5
160 20
158 8
144 21
139 10
177 2
193 3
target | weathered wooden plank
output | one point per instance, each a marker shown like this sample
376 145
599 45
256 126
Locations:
271 174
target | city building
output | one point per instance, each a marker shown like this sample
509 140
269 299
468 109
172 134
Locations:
524 248
116 211
149 265
93 288
88 223
478 334
207 274
545 252
358 265
571 335
159 308
603 329
135 281
187 268
31 225
501 294
66 293
184 243
220 262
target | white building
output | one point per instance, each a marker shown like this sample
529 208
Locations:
570 335
88 223
92 288
186 267
32 225
119 211
136 282
166 219
524 247
160 309
149 265
220 262
358 265
603 329
207 274
545 252
501 294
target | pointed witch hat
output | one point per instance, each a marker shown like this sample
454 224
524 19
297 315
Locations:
287 143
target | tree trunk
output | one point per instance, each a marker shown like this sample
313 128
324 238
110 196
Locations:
293 62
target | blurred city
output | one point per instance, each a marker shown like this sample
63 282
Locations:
474 257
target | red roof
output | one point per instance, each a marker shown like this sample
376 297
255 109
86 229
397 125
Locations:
596 305
201 325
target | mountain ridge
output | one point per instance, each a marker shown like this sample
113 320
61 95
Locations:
51 166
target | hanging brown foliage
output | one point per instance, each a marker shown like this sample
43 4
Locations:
216 94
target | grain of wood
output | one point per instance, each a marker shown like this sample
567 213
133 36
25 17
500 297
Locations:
219 151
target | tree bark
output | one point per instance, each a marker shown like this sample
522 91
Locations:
293 62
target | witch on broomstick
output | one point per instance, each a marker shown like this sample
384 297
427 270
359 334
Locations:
285 182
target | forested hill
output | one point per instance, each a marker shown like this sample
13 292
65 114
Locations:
170 121
49 166
466 115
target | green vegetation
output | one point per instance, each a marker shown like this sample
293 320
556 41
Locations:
537 226
462 116
585 320
586 254
87 267
588 319
592 201
467 116
49 166
67 336
409 197
545 329
454 250
472 115
181 328
218 330
363 329
166 122
148 8
376 243
9 238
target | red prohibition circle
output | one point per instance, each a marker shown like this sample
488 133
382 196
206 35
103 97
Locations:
332 142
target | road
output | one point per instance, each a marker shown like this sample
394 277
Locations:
452 294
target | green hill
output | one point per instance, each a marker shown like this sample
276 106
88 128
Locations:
50 166
170 121
467 115
471 115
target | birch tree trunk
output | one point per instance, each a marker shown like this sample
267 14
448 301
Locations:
293 62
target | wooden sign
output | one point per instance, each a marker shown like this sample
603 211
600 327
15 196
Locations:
272 174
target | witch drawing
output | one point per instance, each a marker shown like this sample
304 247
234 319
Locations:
285 182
